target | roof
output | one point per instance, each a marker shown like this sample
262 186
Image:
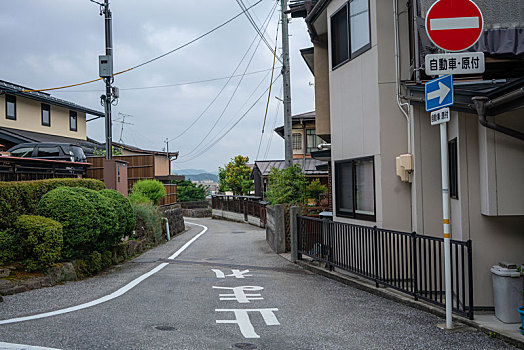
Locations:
297 118
145 151
309 166
20 136
18 90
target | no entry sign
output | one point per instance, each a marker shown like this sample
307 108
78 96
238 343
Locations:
454 25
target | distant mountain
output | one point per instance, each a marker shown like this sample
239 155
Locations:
193 172
202 177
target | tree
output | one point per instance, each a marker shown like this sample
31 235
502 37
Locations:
186 191
235 176
315 189
286 186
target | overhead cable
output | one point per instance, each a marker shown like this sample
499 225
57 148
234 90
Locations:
156 58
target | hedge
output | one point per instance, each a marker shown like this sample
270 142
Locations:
40 240
9 249
111 228
22 197
78 217
124 210
152 189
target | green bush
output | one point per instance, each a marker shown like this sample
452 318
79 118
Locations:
40 239
9 247
186 191
123 210
138 198
152 189
286 186
149 218
22 197
81 225
107 259
315 189
88 266
111 228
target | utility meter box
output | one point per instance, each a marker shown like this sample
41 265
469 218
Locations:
105 66
115 175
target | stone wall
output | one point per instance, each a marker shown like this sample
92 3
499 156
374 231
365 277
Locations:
175 217
197 213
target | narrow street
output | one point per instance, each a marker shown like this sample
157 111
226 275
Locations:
226 290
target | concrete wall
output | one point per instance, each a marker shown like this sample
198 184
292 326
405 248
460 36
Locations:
29 117
275 228
237 217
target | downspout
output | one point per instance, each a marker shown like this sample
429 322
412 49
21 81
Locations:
482 103
397 73
416 43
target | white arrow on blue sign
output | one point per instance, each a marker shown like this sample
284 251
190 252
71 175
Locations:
439 93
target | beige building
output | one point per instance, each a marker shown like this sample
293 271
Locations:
369 90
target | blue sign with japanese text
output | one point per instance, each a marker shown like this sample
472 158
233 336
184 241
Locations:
439 93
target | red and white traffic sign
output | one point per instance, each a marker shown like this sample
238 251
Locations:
454 25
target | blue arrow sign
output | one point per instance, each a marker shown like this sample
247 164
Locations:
439 93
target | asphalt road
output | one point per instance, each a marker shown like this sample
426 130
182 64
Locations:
198 301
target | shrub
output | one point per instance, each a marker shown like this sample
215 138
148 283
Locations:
152 189
315 189
88 266
22 197
138 198
40 239
9 251
123 210
286 185
149 222
81 225
111 228
186 191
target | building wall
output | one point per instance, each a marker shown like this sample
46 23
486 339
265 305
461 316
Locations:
29 118
162 166
322 108
494 238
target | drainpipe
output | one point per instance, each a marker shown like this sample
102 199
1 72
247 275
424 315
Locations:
482 103
416 43
166 223
397 73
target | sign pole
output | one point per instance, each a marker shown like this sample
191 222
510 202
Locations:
445 220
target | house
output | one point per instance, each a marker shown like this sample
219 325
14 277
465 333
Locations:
368 62
305 141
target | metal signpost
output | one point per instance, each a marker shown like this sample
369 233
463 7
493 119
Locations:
452 25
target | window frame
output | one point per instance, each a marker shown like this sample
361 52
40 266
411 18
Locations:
7 97
453 168
42 109
348 25
71 115
313 147
354 214
294 136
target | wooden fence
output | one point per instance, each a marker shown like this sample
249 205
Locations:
170 197
139 167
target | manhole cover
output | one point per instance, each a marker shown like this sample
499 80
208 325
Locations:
164 327
245 346
217 259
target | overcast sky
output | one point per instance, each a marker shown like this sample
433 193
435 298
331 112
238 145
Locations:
48 43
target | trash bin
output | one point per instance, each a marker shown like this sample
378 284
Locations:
507 291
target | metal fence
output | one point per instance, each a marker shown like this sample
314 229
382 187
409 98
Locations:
408 262
25 169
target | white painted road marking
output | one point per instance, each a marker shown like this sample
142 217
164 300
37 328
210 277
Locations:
235 273
240 295
454 23
113 295
243 321
8 346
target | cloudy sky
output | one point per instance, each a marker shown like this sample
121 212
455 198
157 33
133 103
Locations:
49 43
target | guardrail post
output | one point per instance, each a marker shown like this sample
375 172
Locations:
414 264
375 254
470 278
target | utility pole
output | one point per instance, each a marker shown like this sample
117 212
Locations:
288 125
106 72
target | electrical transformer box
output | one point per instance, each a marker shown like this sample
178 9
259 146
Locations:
105 66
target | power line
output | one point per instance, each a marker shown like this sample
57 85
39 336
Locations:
273 128
225 85
155 58
232 126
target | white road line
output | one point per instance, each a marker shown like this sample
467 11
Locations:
454 23
113 295
8 346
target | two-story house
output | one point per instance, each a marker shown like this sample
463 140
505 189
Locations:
368 59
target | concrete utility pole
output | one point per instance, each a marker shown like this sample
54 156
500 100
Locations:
288 125
109 80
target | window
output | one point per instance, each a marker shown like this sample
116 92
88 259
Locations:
72 121
312 141
355 188
48 152
453 168
46 115
350 33
297 141
22 152
10 107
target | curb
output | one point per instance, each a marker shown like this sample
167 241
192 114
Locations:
386 293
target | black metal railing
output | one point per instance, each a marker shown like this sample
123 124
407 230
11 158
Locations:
407 262
25 169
